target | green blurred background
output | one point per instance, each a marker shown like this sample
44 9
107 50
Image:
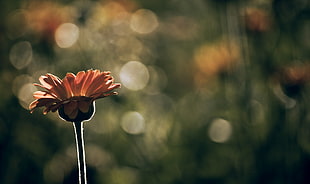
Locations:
213 91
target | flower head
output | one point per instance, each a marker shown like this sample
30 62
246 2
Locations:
257 20
294 78
74 95
44 17
215 59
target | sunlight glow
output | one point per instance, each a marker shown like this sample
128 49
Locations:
133 123
143 21
66 35
20 81
134 75
220 130
25 94
21 54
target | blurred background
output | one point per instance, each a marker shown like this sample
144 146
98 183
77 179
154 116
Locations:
213 91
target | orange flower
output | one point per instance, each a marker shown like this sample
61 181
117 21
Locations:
257 20
294 78
44 17
73 96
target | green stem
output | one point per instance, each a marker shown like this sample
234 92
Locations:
78 130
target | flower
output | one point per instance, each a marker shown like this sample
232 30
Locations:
44 17
74 95
257 20
215 59
294 78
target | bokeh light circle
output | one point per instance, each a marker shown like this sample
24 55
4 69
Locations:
21 54
133 123
66 35
134 75
25 94
20 81
143 21
220 130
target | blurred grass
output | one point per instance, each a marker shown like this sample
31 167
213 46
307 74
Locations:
220 92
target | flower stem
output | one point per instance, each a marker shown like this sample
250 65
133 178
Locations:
78 130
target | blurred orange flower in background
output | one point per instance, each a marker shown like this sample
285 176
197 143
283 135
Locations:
257 20
215 58
73 94
43 18
112 12
294 78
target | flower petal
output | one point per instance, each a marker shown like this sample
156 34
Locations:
33 105
42 94
87 81
103 95
45 82
67 82
78 82
107 88
98 82
54 85
70 107
84 105
114 86
73 114
47 102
